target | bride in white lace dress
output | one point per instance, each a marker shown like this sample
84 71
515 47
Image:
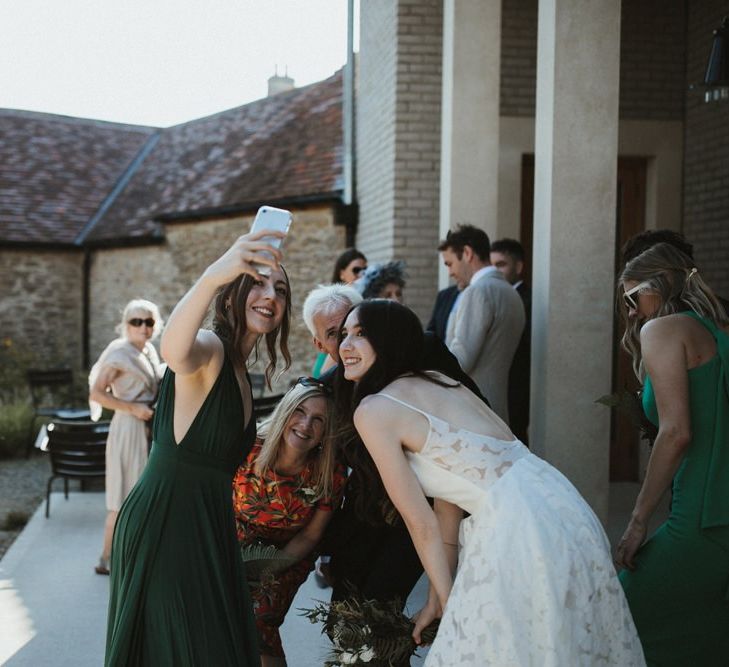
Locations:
527 578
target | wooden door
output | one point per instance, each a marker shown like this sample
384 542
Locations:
630 219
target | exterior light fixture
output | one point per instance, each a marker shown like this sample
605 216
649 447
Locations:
716 80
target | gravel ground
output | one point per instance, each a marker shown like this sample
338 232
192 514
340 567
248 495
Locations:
22 488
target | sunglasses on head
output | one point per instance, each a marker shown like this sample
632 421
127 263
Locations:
628 297
138 322
358 269
306 381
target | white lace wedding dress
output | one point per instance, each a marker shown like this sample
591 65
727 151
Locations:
535 586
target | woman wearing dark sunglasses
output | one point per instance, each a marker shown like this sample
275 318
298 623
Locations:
125 379
284 495
178 587
676 583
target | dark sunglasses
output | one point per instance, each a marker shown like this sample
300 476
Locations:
358 269
306 381
138 322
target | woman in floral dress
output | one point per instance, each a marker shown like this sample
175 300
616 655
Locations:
284 495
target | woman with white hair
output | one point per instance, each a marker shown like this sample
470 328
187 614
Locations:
125 379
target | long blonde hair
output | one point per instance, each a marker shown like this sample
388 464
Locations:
272 433
675 278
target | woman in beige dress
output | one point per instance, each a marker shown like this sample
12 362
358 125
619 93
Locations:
125 379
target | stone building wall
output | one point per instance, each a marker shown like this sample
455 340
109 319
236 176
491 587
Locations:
41 304
163 273
706 161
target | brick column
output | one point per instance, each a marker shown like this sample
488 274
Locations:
398 139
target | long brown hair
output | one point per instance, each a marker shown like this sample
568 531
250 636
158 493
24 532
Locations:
229 322
677 281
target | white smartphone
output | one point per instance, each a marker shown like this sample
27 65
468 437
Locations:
276 219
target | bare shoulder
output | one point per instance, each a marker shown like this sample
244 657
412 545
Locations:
676 328
211 354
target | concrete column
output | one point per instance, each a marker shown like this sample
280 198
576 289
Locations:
576 140
469 168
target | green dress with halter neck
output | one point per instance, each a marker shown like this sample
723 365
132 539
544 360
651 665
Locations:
679 591
179 594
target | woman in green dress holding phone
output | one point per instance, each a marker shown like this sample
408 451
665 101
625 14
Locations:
677 583
178 587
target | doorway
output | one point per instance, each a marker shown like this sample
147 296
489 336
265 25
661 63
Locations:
629 220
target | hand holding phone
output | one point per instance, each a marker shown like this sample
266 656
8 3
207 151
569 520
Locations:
274 219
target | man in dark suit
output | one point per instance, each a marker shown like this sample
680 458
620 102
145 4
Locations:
507 255
441 311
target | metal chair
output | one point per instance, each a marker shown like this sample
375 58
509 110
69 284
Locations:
77 450
55 384
258 384
264 406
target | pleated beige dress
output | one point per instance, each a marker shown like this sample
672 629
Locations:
127 447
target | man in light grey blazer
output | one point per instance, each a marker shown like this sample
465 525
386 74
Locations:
488 317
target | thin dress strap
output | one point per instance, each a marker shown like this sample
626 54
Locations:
407 405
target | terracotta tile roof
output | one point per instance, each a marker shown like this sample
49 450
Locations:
55 172
288 146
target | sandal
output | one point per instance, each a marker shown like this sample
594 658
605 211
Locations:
102 567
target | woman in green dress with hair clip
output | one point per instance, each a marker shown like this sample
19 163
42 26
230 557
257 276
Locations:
677 583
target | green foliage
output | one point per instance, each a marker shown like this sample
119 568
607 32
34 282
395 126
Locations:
15 359
264 559
368 632
15 422
630 404
14 521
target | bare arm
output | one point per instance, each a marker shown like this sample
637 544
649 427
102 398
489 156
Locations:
100 393
184 350
449 518
664 357
302 544
378 424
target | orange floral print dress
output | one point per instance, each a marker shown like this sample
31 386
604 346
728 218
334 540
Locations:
271 510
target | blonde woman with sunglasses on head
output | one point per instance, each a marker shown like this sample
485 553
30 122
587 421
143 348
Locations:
677 582
284 495
125 379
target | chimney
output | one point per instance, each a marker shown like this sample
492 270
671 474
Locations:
280 84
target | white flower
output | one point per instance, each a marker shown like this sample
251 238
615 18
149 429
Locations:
366 653
348 658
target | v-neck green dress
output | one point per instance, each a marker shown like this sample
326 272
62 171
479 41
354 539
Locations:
179 594
679 591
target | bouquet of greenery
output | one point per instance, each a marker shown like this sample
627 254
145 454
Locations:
367 632
264 560
630 404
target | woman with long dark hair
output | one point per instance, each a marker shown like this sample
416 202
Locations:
676 583
535 582
178 588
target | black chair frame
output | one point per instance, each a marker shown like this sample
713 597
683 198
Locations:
59 383
77 451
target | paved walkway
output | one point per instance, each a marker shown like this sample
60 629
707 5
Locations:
53 606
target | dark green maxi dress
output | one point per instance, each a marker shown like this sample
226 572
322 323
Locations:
178 589
679 591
